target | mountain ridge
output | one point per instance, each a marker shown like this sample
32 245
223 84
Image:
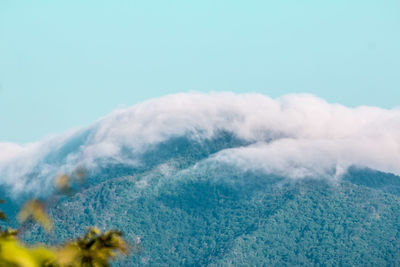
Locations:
225 179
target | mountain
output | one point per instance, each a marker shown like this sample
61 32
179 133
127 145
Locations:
226 180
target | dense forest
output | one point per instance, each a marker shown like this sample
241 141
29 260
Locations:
182 209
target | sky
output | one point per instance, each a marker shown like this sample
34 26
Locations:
64 64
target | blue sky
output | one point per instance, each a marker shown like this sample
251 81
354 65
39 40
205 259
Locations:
63 64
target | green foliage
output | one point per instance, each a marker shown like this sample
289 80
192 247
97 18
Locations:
94 249
34 209
15 254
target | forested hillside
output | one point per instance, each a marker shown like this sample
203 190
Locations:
186 210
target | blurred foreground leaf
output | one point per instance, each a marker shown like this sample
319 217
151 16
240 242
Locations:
94 249
13 253
62 183
3 216
34 209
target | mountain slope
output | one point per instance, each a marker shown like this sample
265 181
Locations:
217 214
224 179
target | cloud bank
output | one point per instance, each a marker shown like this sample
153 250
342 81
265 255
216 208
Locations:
295 135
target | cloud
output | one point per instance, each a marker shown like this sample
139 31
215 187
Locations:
295 135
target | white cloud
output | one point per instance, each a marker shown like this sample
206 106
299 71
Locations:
310 136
